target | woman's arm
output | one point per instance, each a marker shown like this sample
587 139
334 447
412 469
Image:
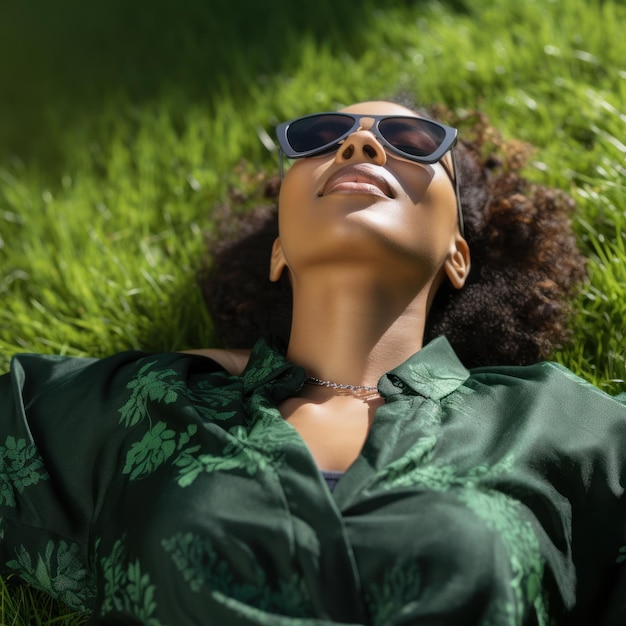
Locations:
233 361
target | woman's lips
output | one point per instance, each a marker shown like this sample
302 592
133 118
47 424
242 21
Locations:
358 179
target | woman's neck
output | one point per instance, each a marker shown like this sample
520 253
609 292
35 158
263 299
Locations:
352 329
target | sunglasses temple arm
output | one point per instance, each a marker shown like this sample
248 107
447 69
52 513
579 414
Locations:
457 191
281 159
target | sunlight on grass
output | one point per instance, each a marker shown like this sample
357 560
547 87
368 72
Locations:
104 257
106 199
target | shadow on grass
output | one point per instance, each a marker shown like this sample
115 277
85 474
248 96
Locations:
62 63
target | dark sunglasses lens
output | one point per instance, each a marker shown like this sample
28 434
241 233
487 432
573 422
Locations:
311 133
416 137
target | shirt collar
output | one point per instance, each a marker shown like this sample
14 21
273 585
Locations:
433 372
268 367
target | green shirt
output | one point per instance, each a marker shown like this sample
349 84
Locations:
160 490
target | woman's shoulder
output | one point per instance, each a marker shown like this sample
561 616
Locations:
233 361
550 389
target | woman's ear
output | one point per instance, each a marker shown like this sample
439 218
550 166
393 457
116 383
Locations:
457 265
277 262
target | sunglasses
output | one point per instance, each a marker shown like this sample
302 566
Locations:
413 138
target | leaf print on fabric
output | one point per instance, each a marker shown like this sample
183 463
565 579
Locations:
405 472
401 585
415 469
20 467
459 401
218 403
191 465
155 448
501 513
435 382
505 516
249 450
204 570
126 588
263 368
149 386
59 571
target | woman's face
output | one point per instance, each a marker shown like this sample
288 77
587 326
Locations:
364 204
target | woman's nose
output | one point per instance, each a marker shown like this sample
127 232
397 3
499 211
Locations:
362 145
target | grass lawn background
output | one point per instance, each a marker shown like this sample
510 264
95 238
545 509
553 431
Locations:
123 125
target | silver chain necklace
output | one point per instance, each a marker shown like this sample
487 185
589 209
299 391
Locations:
327 383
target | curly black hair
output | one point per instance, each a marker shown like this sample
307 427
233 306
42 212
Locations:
517 302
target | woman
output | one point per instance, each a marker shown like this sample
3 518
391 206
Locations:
357 475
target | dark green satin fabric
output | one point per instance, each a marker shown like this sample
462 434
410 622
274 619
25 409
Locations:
159 490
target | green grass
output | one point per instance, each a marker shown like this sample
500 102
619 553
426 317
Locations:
21 605
123 125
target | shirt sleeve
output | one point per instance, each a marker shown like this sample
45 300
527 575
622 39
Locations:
621 398
595 445
62 449
56 414
616 607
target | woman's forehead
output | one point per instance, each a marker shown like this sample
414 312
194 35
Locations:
378 107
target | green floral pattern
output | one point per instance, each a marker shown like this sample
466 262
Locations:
127 588
20 467
59 571
506 518
418 467
150 385
155 448
193 482
401 585
216 403
204 570
249 450
265 365
501 514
